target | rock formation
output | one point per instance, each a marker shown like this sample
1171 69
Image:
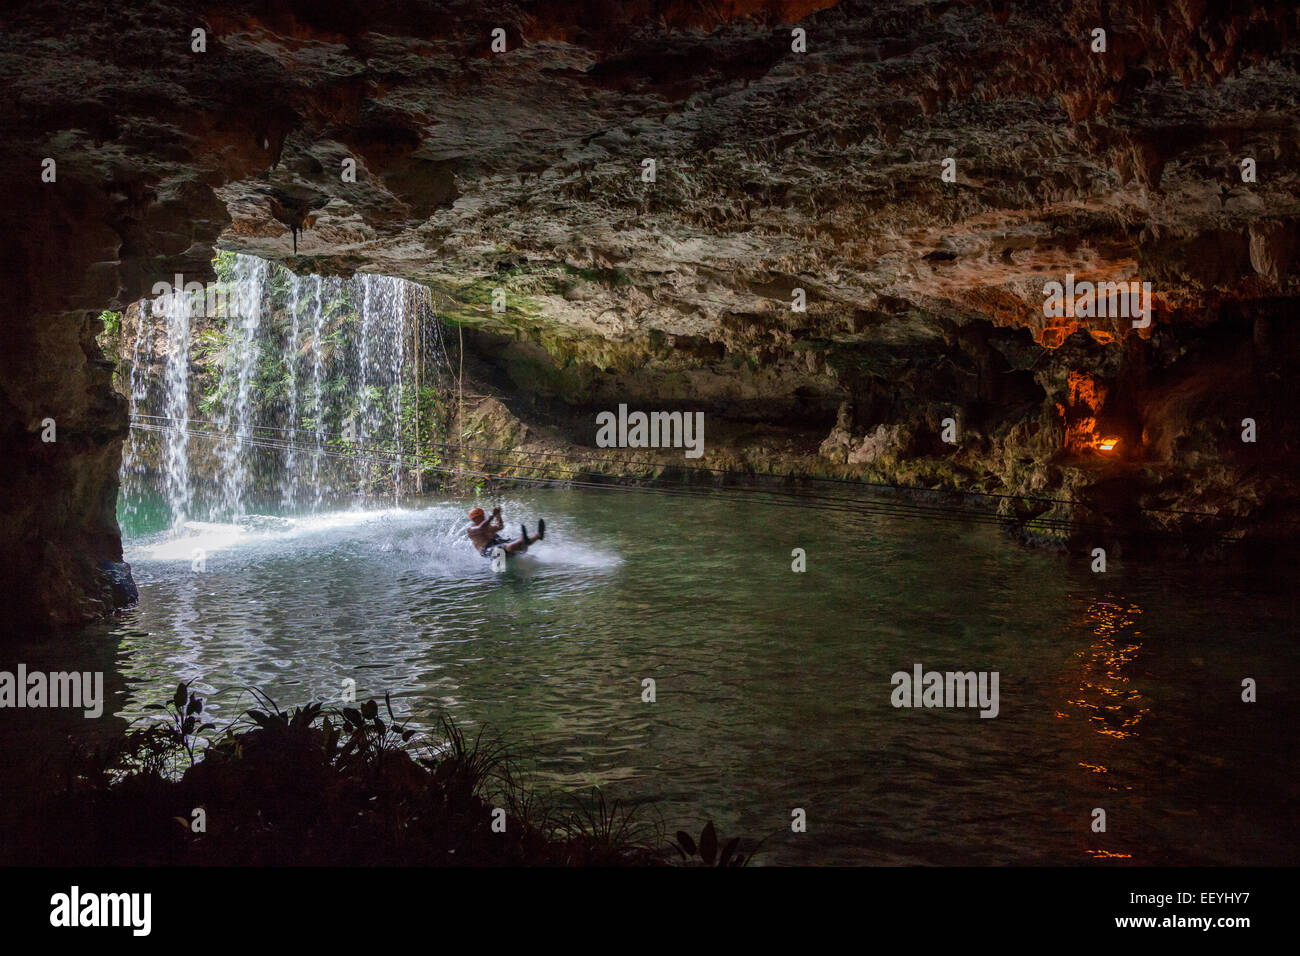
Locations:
396 137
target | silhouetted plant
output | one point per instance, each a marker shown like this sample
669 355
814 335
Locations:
303 787
179 732
279 724
369 737
467 767
600 832
707 851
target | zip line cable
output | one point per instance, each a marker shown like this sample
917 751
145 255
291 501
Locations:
725 472
854 509
568 477
551 474
551 477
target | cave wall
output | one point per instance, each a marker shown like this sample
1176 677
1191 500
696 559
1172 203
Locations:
61 423
1032 421
777 170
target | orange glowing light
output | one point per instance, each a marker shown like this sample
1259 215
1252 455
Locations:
1108 444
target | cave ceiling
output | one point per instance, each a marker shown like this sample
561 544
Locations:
774 169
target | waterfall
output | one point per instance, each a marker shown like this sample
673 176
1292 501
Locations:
397 360
245 309
363 362
175 308
141 358
298 386
290 457
318 389
384 322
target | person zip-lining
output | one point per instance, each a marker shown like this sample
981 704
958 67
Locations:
483 532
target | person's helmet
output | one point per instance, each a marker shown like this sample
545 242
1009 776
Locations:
476 514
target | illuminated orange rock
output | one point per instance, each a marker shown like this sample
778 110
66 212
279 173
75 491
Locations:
1085 398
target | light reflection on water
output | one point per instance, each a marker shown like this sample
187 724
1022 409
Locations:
1118 690
1107 696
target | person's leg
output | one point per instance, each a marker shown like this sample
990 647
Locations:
525 539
